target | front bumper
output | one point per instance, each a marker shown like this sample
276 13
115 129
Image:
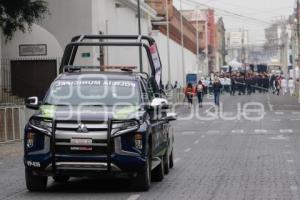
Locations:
51 160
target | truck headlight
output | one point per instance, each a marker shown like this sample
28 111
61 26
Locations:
138 141
120 128
30 140
41 123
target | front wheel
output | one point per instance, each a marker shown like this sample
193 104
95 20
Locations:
171 160
142 181
167 163
35 183
159 171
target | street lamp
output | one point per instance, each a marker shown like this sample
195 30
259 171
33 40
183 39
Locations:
140 32
168 41
182 45
197 38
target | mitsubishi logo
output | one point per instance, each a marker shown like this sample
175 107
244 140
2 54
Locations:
82 128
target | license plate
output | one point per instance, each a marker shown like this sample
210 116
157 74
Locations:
80 141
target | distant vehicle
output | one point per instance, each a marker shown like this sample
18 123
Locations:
192 78
275 69
71 136
225 69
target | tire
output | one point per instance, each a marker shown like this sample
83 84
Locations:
61 179
35 183
159 172
142 181
171 160
166 163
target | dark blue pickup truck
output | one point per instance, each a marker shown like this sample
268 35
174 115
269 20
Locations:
96 122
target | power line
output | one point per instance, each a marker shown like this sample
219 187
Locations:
229 12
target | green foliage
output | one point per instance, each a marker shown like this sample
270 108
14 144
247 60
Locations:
20 15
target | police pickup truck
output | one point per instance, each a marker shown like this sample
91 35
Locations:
97 122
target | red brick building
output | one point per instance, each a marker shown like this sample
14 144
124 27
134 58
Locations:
189 31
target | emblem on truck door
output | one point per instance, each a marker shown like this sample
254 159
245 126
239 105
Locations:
82 128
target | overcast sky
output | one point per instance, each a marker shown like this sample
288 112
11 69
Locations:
263 10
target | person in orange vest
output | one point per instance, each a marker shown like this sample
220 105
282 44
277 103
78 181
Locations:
189 93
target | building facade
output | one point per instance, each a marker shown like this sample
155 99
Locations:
236 45
34 57
278 44
220 44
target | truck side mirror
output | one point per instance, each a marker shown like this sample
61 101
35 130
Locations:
171 116
160 102
32 103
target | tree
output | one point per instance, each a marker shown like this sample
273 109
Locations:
20 15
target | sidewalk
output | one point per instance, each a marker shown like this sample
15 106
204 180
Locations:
11 149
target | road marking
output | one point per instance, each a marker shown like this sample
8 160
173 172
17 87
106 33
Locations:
208 110
294 188
196 142
295 119
213 132
276 120
288 152
279 113
15 194
292 173
237 131
279 137
134 197
269 103
228 114
296 113
202 136
290 161
176 160
188 133
187 150
260 131
286 131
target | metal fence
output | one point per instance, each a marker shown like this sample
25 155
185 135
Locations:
5 83
12 123
175 95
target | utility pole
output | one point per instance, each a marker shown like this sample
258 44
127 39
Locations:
168 41
197 41
243 56
206 43
298 38
298 31
140 32
182 45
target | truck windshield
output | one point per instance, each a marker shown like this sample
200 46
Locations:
93 93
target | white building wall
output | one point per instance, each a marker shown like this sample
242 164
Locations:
175 59
115 21
75 17
38 35
68 18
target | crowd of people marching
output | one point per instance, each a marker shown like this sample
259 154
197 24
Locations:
239 84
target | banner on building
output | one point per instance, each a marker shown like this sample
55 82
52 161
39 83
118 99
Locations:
157 64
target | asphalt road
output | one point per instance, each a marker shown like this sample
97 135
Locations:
221 158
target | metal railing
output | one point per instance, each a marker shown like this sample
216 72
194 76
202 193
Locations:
12 123
175 95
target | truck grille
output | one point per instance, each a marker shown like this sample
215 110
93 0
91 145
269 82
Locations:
96 136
